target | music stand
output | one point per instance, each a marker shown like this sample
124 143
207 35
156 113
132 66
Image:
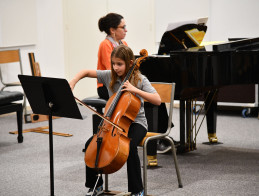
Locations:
52 97
177 39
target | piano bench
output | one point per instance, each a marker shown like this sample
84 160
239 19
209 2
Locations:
7 106
98 104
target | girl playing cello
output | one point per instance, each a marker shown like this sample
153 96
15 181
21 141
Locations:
122 59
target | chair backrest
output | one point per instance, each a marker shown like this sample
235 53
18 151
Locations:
35 67
166 92
10 56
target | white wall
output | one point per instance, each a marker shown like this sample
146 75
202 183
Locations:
227 18
49 48
17 16
234 18
82 38
172 11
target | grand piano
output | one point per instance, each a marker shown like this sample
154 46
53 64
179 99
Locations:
202 71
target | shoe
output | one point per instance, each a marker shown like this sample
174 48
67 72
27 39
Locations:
152 160
162 147
141 193
97 191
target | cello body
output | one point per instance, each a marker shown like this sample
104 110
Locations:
114 148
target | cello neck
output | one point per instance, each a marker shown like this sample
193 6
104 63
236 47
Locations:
119 93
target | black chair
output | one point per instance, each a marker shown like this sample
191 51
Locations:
98 104
10 63
7 105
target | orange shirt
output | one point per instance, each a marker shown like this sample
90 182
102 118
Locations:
104 56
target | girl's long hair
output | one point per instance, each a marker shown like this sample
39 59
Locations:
124 53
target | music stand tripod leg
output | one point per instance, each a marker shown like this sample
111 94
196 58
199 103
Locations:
51 150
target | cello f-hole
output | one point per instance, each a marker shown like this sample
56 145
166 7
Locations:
113 134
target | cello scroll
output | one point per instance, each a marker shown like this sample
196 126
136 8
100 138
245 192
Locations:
143 55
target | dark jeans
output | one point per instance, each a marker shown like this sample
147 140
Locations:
162 118
136 132
103 92
162 124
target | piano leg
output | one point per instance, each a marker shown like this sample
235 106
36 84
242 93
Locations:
211 116
181 148
186 136
189 135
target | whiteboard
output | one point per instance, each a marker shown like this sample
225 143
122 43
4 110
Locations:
18 23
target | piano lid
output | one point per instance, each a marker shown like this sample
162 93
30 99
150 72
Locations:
239 45
243 44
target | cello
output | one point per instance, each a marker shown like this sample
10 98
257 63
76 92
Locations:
109 149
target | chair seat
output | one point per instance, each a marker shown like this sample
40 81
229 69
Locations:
149 134
13 84
98 104
8 97
7 106
95 102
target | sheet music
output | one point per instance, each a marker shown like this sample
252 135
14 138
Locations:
174 25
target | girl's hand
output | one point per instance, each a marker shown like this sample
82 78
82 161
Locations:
127 86
153 98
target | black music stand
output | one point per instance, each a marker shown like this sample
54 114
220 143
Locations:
52 97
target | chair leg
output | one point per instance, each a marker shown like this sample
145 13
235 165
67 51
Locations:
175 162
106 183
145 167
19 123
